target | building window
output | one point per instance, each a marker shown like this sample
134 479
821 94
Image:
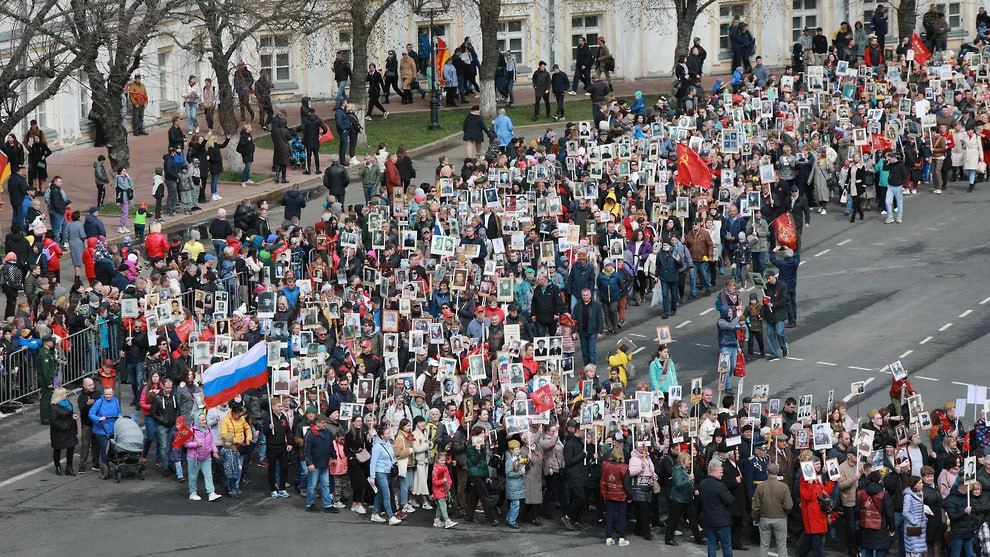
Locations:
85 101
510 38
275 56
344 44
726 13
41 112
163 76
953 16
805 17
587 26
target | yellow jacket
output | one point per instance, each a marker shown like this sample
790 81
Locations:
620 360
239 429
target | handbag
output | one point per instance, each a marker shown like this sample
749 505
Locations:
362 455
982 167
913 530
844 197
42 164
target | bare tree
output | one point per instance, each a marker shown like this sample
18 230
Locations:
109 37
31 53
907 16
225 27
686 13
488 14
363 16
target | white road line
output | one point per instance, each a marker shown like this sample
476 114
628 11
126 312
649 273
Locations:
823 252
925 378
795 359
868 381
859 368
965 313
637 335
954 383
826 363
984 301
848 397
707 311
684 324
801 263
638 350
23 475
944 327
926 339
844 242
703 345
905 355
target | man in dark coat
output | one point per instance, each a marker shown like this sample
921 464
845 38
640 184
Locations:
335 179
46 377
583 59
547 306
93 226
17 188
294 202
576 474
590 323
775 313
733 480
716 509
312 128
797 204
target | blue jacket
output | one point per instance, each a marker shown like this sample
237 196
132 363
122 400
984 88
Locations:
382 457
503 129
609 287
788 268
582 276
515 485
727 332
94 227
342 119
104 409
318 449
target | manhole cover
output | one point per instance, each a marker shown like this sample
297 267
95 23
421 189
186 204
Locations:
949 275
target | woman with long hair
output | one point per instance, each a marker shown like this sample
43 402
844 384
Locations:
152 387
358 451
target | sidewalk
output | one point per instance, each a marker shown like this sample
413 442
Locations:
76 166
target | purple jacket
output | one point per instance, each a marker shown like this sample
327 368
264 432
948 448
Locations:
201 446
645 249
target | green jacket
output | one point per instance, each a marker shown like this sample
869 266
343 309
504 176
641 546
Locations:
477 462
371 175
682 489
46 367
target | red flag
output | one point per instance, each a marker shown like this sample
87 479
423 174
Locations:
921 53
542 399
691 169
4 168
183 433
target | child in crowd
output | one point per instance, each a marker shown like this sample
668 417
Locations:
186 195
441 489
140 219
754 322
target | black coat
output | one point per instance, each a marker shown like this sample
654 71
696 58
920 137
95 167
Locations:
800 211
732 478
245 217
583 57
312 128
546 304
16 242
246 146
294 202
17 187
15 155
176 137
575 467
335 179
64 430
215 156
716 503
280 142
475 128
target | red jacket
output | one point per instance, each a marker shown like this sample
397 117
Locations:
156 245
611 483
814 518
88 263
441 480
54 253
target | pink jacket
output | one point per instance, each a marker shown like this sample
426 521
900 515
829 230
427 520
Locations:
201 446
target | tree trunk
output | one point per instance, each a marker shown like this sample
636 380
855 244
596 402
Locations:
360 33
108 106
685 28
907 18
225 108
488 13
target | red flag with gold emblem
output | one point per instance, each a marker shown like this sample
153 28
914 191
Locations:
542 399
691 168
921 52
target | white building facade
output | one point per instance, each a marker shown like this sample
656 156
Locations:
641 35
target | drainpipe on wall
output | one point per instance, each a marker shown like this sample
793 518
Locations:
551 32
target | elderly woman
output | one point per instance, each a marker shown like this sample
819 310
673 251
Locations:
63 430
421 444
200 452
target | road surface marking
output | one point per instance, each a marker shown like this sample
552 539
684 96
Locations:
984 301
944 327
707 311
925 378
795 359
859 368
868 381
848 397
823 252
703 345
637 335
905 355
23 475
826 363
925 341
684 324
638 350
965 313
844 242
801 263
954 383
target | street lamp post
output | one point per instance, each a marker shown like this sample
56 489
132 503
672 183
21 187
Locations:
432 9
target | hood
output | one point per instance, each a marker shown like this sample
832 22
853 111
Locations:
91 242
294 194
873 488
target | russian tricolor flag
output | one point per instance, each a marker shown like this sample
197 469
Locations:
223 381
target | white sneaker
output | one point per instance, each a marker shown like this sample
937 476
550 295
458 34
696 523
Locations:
394 520
214 497
427 507
939 192
195 497
385 116
609 541
884 212
361 510
339 505
251 182
214 197
437 523
572 92
449 524
587 94
377 518
219 197
243 184
408 509
888 221
623 542
368 118
899 221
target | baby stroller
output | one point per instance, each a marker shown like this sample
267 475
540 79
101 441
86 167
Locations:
124 451
298 152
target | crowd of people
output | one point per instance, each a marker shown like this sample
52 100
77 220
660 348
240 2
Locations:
436 347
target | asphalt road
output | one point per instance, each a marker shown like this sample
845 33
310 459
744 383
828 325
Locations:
868 294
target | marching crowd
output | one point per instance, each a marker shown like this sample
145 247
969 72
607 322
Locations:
423 346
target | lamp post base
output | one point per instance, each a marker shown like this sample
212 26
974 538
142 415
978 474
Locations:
434 110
